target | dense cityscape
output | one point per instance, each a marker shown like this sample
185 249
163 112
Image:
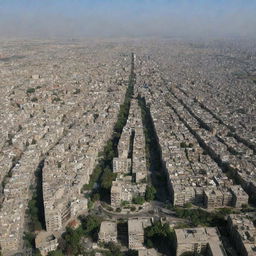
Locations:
128 147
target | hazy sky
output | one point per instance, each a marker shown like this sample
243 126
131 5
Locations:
53 18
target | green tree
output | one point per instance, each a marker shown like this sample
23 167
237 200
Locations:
31 90
34 213
150 193
55 253
183 144
95 197
34 99
132 253
118 209
159 236
191 254
106 179
115 249
29 239
188 205
72 239
201 217
138 200
91 225
37 253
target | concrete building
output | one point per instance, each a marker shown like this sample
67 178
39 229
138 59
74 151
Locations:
243 234
123 190
108 232
213 198
122 165
199 240
130 165
147 252
136 232
46 242
239 196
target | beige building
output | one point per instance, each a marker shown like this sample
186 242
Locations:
130 165
46 242
243 234
239 196
108 232
136 233
213 198
123 190
57 215
121 165
147 252
200 240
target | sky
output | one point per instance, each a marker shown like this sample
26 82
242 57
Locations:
127 18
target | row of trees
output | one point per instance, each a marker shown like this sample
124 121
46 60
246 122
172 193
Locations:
35 211
102 173
36 205
199 217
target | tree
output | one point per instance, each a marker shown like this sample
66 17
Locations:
245 206
31 90
29 239
133 208
132 253
34 99
91 225
36 253
138 200
183 144
55 253
34 213
201 217
191 254
149 243
72 239
150 193
188 205
95 197
159 236
106 179
187 254
118 209
125 203
115 249
108 152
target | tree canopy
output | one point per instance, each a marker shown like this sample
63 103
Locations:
150 193
55 253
